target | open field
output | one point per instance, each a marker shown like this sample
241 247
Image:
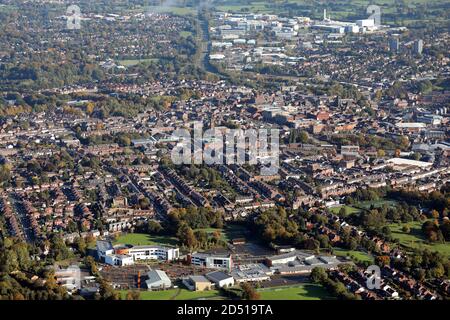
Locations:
298 292
190 295
137 239
363 205
348 210
415 239
185 34
176 294
353 254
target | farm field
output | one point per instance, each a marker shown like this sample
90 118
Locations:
415 239
298 292
140 239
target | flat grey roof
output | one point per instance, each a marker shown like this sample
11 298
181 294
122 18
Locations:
157 275
217 276
104 245
198 279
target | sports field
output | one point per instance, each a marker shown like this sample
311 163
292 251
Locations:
298 292
141 239
176 294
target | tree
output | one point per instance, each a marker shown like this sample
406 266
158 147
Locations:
90 108
217 236
59 249
404 142
91 264
434 214
323 240
81 245
124 141
144 203
187 236
432 232
133 295
154 227
249 292
318 275
353 244
383 261
311 244
303 137
5 173
406 229
107 292
201 236
445 229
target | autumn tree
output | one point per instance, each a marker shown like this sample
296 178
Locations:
187 236
133 295
249 292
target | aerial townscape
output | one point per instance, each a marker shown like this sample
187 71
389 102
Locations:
224 150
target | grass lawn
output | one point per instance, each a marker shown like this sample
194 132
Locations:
298 292
185 34
348 210
194 295
355 255
175 294
140 239
415 239
153 295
